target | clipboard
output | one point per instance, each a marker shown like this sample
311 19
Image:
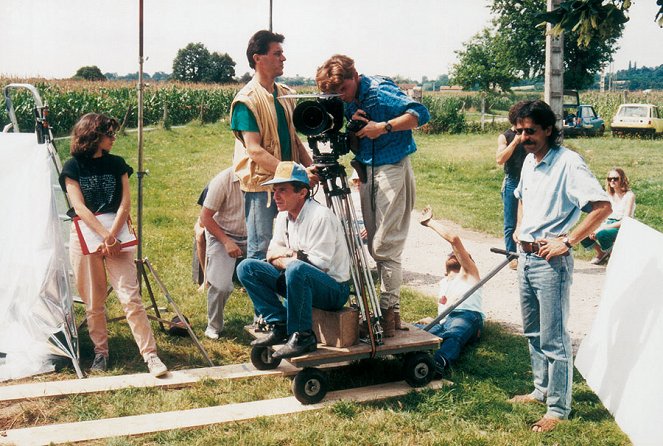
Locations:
90 240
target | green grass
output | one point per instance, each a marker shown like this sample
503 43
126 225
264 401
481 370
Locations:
458 176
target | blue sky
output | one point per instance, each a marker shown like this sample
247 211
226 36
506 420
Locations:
53 38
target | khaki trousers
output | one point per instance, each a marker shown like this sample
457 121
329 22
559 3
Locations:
90 272
393 189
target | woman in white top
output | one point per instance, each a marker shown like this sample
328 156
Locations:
622 200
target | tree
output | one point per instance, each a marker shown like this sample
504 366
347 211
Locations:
484 64
221 69
246 77
525 43
194 63
191 63
592 19
90 73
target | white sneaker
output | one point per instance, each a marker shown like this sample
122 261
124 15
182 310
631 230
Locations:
211 333
156 367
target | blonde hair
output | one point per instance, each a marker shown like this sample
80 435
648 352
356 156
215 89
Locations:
331 75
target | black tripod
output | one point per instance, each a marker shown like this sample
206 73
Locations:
335 186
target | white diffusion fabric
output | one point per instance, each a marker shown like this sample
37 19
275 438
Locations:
621 356
36 319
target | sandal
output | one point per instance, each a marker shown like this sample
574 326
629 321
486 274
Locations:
546 424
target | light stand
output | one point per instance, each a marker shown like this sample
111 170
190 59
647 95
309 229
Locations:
142 263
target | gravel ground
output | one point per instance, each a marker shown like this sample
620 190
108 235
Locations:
423 269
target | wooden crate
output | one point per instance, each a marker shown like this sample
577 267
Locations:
336 328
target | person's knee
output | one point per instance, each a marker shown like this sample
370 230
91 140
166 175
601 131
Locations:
245 267
296 270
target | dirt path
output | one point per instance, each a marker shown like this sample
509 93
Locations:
423 268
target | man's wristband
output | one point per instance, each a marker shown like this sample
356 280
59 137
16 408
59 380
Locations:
568 244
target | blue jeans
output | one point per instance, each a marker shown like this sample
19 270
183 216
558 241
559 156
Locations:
306 287
259 223
459 328
544 300
510 212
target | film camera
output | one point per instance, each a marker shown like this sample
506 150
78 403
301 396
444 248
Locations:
321 121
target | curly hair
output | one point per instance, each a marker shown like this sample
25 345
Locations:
88 132
513 111
259 44
334 72
623 180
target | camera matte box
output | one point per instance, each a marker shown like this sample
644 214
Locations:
336 328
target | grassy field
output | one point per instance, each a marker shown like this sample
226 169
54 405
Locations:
458 176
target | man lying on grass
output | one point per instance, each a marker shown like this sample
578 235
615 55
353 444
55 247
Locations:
465 322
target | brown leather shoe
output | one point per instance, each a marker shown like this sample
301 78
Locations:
397 323
389 322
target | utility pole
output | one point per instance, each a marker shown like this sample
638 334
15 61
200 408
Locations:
554 78
270 15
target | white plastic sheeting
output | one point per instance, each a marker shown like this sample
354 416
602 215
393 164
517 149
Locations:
36 316
621 356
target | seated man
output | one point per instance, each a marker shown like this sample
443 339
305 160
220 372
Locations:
225 229
308 251
465 322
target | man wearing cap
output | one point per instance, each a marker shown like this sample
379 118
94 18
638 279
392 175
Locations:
261 120
307 263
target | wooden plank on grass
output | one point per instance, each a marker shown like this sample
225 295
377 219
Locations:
176 378
181 419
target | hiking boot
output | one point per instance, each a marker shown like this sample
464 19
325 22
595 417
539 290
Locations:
300 342
388 322
100 363
278 335
156 367
397 322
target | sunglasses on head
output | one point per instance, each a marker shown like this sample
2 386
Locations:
613 178
527 130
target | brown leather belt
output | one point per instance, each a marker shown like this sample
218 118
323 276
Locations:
533 248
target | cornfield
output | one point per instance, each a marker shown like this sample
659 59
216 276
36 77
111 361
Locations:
168 103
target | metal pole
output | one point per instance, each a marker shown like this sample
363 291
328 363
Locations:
141 173
270 15
554 77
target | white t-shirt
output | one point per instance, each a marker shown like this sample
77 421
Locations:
452 290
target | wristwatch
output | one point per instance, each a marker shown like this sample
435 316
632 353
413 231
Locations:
388 128
568 244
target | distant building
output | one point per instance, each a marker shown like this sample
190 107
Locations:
451 88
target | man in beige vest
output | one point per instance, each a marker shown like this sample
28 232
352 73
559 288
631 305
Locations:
262 123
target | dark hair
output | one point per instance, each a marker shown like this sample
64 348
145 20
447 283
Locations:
513 111
88 132
541 114
298 185
259 44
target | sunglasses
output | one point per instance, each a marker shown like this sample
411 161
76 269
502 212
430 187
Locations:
527 130
613 178
109 133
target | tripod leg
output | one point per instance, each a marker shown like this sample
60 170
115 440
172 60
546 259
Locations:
170 300
143 273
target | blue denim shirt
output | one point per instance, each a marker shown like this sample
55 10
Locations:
381 98
554 192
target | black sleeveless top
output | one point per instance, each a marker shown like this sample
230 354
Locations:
514 165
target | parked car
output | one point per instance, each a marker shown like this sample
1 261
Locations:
637 119
580 119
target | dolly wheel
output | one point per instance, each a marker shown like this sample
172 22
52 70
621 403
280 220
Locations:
261 358
309 386
418 369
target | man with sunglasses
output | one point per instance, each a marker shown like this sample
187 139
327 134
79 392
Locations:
555 187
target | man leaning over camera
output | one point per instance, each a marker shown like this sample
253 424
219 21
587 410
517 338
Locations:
308 264
385 143
262 123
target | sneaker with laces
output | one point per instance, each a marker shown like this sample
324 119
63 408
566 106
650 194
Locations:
156 367
100 363
211 333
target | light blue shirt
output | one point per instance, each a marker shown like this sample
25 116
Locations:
554 192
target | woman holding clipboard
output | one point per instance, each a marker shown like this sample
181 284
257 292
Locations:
98 187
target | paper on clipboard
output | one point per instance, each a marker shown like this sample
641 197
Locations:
90 240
